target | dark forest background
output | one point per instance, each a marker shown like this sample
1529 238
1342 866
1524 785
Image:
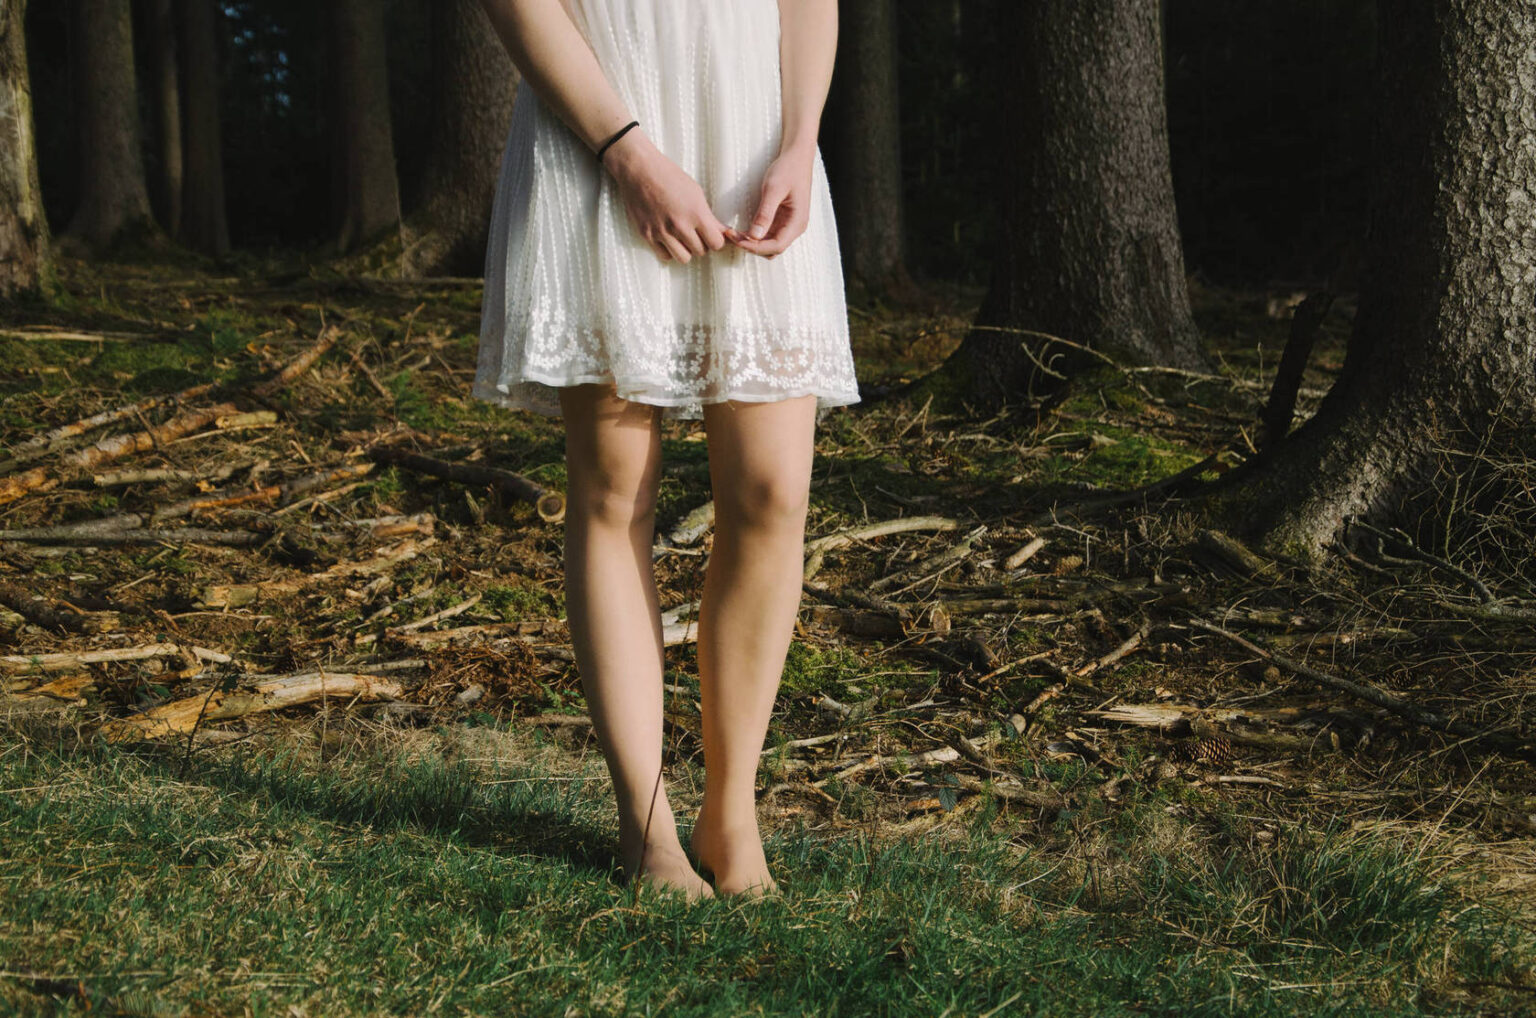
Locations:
1268 104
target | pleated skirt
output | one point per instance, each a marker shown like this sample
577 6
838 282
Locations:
574 295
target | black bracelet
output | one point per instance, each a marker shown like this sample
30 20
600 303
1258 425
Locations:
617 135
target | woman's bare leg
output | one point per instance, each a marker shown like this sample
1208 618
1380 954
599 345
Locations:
760 469
613 463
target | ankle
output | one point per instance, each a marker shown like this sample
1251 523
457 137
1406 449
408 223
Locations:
728 813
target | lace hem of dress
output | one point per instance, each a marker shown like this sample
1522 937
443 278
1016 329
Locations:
675 366
542 396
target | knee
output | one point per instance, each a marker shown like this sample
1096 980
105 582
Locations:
766 503
614 500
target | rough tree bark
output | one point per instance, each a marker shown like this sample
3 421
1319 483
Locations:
473 86
165 102
204 218
1444 346
1089 245
113 195
867 138
367 185
24 261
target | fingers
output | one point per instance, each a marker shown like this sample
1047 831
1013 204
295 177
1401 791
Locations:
786 228
713 233
675 248
683 241
780 218
673 216
774 196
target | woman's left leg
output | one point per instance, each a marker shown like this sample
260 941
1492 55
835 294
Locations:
760 471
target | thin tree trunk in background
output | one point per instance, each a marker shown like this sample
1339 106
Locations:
165 101
1443 355
204 219
369 188
1089 244
113 195
23 228
867 132
473 86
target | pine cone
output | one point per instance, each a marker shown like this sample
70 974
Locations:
1210 751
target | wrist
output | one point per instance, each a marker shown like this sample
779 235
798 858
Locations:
800 148
628 153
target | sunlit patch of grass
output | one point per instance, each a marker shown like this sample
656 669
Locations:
399 879
1118 458
513 602
809 669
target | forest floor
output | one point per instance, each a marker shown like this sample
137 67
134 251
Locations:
1047 741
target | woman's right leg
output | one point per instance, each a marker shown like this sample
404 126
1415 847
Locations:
613 466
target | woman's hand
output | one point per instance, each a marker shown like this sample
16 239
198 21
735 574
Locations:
785 205
665 205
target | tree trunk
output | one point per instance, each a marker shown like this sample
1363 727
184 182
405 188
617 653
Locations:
1089 246
204 220
165 101
867 137
113 195
23 228
1443 354
473 85
369 189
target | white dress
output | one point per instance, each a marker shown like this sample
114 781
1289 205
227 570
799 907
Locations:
573 294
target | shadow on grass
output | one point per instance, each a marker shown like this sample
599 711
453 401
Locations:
517 810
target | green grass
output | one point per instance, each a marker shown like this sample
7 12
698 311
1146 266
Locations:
383 883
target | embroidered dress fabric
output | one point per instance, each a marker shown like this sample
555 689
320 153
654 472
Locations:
573 294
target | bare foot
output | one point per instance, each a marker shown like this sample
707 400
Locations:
666 868
734 855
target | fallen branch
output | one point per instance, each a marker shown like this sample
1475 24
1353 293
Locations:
181 716
689 529
1130 644
118 446
244 594
1012 793
140 535
24 602
1372 694
816 549
50 440
1478 586
1229 723
1235 555
446 613
550 505
67 660
1306 326
157 475
911 761
1024 554
78 335
67 689
933 565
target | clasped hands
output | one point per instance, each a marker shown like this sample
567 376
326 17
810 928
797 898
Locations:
668 209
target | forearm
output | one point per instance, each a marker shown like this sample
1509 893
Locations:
555 59
807 49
